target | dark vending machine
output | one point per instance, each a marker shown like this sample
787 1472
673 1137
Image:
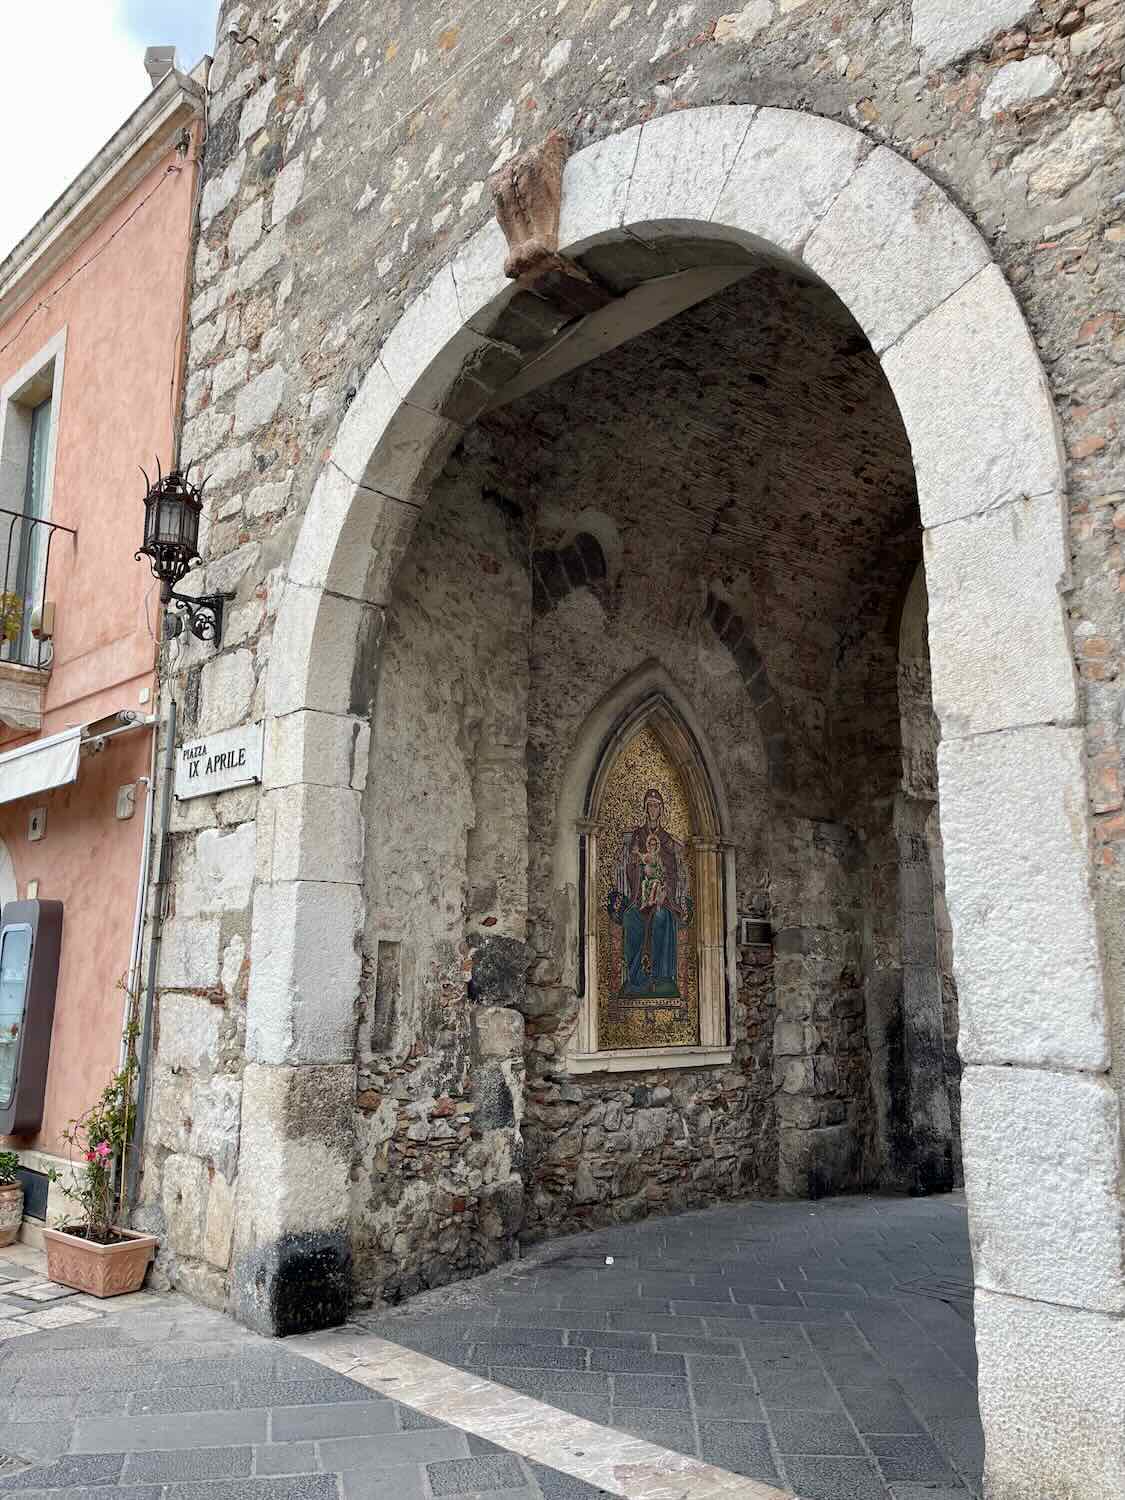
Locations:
30 943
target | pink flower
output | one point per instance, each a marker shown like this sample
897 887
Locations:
91 1156
102 1148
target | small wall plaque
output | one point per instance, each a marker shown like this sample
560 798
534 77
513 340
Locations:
220 762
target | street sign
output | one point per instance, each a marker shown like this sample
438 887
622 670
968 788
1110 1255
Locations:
220 762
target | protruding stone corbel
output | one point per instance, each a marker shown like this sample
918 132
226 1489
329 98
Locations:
527 193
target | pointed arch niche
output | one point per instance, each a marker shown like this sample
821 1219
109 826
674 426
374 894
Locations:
655 922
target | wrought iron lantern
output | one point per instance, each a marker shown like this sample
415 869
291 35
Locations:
173 506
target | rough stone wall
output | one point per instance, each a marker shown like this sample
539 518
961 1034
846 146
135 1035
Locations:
347 158
437 1190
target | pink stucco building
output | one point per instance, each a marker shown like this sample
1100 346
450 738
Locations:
92 320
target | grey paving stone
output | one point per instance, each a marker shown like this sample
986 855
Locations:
187 1463
614 1302
472 1475
636 1362
762 1296
295 1423
678 1343
557 1486
100 1492
545 1318
302 1392
742 1447
874 1410
37 1439
513 1334
531 1356
589 1408
146 1434
188 1398
937 1397
586 1382
812 1431
811 1315
928 1492
286 1458
393 1449
407 1482
821 1283
702 1309
594 1338
834 1479
479 1445
962 1441
655 1323
805 1391
39 1408
409 1419
909 1458
651 1390
736 1401
706 1370
220 1371
89 1470
674 1430
837 1339
856 1369
293 1487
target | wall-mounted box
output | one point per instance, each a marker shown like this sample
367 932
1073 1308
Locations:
30 944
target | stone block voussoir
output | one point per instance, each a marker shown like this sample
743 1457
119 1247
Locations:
789 171
975 403
893 246
663 197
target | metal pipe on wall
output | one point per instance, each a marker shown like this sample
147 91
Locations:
145 1045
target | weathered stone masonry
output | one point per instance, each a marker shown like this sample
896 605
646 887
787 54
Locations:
346 165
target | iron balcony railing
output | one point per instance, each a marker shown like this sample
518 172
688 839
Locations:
26 624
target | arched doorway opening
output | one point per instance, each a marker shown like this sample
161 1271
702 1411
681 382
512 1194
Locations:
965 379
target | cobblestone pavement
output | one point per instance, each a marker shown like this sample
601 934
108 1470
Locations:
29 1303
157 1399
825 1345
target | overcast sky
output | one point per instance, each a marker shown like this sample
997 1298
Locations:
71 72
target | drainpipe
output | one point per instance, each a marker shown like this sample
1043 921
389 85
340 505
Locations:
145 1045
135 945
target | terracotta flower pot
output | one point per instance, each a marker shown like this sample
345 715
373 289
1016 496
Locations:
101 1270
11 1211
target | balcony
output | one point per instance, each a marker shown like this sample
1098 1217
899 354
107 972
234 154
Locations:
26 618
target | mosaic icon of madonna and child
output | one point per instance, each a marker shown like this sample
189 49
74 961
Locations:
651 901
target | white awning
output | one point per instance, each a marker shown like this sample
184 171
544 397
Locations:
53 761
40 765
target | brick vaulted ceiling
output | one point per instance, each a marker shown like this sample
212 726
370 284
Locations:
754 435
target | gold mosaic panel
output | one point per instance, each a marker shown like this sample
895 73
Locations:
660 1007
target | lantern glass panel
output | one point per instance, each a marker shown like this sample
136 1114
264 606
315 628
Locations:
168 520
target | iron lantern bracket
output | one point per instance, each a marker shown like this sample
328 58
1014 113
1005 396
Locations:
204 615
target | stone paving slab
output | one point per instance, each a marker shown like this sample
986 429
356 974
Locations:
154 1399
825 1346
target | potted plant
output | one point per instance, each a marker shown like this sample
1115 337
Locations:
11 617
11 1198
95 1254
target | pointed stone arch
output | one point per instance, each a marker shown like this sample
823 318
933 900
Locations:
820 199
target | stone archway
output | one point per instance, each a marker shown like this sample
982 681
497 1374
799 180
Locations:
964 371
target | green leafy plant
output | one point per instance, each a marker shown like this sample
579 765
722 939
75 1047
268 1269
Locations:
9 1162
99 1139
11 616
